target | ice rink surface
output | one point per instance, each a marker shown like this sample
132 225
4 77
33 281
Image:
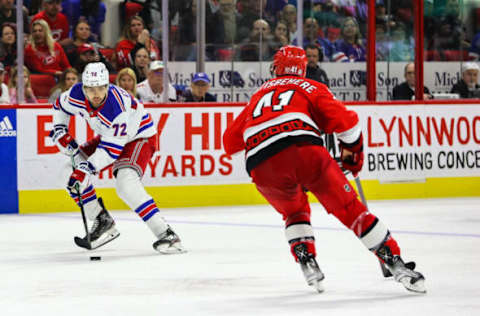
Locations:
238 263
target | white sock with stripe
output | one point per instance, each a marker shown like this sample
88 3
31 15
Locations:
130 189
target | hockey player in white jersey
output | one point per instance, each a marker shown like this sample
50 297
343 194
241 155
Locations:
126 140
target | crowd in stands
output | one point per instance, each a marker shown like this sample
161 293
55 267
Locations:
62 36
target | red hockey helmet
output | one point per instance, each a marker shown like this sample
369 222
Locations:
290 60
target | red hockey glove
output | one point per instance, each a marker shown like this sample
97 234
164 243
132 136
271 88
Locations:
79 177
64 141
352 155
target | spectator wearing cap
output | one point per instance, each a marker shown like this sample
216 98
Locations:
86 53
151 89
468 86
198 91
4 96
56 20
43 54
80 38
406 90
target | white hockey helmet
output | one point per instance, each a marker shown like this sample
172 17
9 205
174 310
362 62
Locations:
95 75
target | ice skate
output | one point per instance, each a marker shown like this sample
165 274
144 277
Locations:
313 275
168 243
102 232
402 272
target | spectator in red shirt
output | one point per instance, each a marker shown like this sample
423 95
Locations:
135 35
56 20
43 54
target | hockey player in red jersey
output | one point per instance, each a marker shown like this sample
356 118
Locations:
280 131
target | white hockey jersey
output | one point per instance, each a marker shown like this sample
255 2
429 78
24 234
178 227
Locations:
119 120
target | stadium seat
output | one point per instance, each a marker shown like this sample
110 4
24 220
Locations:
42 84
112 78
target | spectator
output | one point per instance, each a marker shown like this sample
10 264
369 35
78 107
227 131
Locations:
8 45
134 35
280 35
406 90
289 17
81 34
198 91
43 54
68 78
402 45
223 29
86 54
151 90
90 11
127 80
350 42
8 13
314 57
56 20
468 86
327 16
260 38
80 38
311 36
12 86
4 97
382 43
251 11
185 48
141 60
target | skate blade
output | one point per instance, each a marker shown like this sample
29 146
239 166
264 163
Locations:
417 287
176 248
107 237
317 285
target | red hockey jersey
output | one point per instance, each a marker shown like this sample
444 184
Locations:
284 111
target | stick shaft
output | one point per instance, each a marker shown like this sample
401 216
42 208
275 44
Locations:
80 204
360 191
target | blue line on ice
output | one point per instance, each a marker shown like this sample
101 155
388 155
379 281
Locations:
210 223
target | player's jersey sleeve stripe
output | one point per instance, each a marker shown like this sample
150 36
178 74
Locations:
113 150
76 103
104 120
119 99
145 123
65 111
56 104
351 135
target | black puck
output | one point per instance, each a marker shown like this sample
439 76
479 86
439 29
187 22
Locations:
95 258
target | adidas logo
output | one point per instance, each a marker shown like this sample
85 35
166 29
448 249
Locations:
6 128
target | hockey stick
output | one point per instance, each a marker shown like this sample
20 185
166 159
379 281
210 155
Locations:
82 211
